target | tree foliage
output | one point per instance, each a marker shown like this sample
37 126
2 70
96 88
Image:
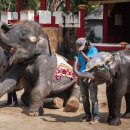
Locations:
52 5
31 4
11 5
8 5
89 5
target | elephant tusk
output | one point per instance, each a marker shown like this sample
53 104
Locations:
33 39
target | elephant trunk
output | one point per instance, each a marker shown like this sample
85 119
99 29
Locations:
83 74
11 78
4 26
4 40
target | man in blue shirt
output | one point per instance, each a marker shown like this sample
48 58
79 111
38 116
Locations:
85 52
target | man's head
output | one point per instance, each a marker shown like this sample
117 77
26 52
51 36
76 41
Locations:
82 44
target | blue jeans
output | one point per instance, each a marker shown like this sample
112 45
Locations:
89 90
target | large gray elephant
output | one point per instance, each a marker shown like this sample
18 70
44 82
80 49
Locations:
116 74
35 64
53 100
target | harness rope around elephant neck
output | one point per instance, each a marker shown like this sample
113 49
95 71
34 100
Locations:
107 67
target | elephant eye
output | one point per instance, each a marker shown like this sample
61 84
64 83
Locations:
23 32
23 35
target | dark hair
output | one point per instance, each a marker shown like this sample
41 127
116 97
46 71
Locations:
88 43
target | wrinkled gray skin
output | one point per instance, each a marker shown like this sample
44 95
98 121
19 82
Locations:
3 62
117 79
33 61
66 96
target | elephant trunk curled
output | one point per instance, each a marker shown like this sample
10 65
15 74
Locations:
83 74
4 40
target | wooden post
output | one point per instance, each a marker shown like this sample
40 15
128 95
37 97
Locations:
43 5
19 7
67 6
105 23
81 29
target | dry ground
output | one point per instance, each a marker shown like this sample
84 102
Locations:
15 118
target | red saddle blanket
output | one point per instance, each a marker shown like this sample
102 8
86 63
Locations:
64 70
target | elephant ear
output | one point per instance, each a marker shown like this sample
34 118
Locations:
43 46
114 64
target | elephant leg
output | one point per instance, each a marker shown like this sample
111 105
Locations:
119 91
25 98
37 96
53 102
72 104
109 93
127 99
27 89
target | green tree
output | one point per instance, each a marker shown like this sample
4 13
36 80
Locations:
8 5
31 4
89 5
52 5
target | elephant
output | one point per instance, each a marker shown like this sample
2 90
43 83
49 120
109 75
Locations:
56 100
115 73
35 63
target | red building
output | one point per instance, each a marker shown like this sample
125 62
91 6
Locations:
116 21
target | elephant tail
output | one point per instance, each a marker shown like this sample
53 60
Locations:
60 88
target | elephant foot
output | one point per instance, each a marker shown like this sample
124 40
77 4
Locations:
36 113
115 121
58 103
126 115
109 119
33 113
72 105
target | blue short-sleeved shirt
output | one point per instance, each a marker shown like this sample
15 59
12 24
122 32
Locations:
90 53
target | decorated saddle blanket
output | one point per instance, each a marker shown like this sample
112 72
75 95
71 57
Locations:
63 69
99 59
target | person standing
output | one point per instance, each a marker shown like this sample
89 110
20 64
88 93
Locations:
85 52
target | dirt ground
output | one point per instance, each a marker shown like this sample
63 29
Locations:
15 118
